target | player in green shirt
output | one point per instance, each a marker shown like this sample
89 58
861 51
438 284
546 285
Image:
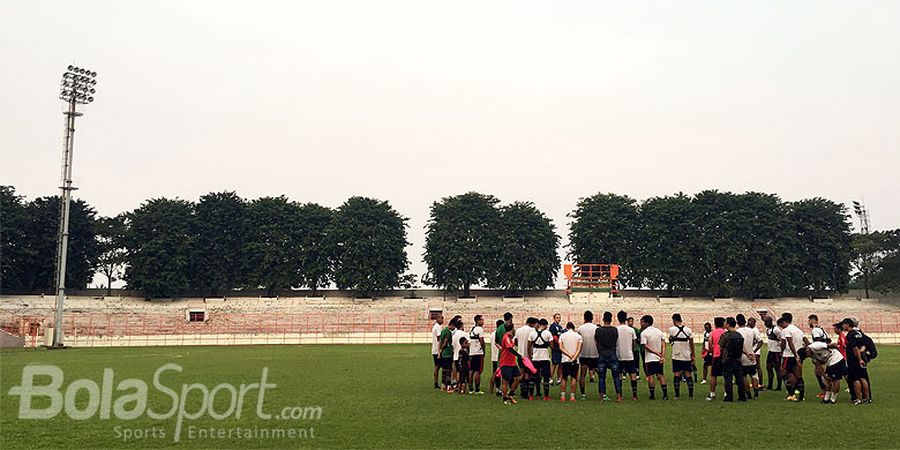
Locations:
636 348
445 352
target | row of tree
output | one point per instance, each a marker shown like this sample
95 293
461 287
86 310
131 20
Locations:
717 243
218 244
472 240
28 243
712 243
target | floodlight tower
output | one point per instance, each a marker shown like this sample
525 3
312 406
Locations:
859 209
863 214
77 88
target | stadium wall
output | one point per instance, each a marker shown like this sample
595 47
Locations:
129 321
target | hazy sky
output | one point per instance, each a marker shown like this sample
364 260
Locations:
412 101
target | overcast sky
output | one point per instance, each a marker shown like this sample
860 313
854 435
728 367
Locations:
412 101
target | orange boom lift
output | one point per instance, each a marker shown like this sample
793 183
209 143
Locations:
592 278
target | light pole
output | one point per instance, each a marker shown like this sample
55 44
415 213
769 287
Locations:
860 210
77 88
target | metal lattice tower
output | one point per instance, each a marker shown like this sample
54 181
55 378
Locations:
860 210
77 88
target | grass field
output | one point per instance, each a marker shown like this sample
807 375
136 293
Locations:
382 396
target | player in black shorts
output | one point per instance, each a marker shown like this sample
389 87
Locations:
462 365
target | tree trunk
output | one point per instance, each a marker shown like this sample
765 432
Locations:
108 283
466 291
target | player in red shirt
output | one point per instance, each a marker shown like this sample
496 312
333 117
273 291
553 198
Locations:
841 339
717 353
509 366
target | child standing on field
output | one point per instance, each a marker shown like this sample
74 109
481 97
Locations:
463 365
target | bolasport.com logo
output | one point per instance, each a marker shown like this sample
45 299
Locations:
43 397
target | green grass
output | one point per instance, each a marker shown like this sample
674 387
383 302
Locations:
381 396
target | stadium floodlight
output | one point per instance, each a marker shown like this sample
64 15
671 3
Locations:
860 210
76 88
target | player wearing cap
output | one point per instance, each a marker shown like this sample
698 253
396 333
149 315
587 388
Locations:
857 363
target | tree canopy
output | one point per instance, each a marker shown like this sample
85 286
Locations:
370 246
604 230
161 247
717 243
462 241
526 252
221 231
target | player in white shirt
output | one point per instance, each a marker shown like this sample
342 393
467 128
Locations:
522 334
682 340
757 351
748 358
436 345
476 355
654 342
818 335
773 353
625 350
459 332
829 359
570 345
589 354
539 342
793 368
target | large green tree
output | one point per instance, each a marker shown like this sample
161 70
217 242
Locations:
462 241
665 259
716 218
111 239
604 230
370 246
14 252
42 229
887 277
763 242
161 247
220 230
272 251
527 248
822 256
316 246
875 257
